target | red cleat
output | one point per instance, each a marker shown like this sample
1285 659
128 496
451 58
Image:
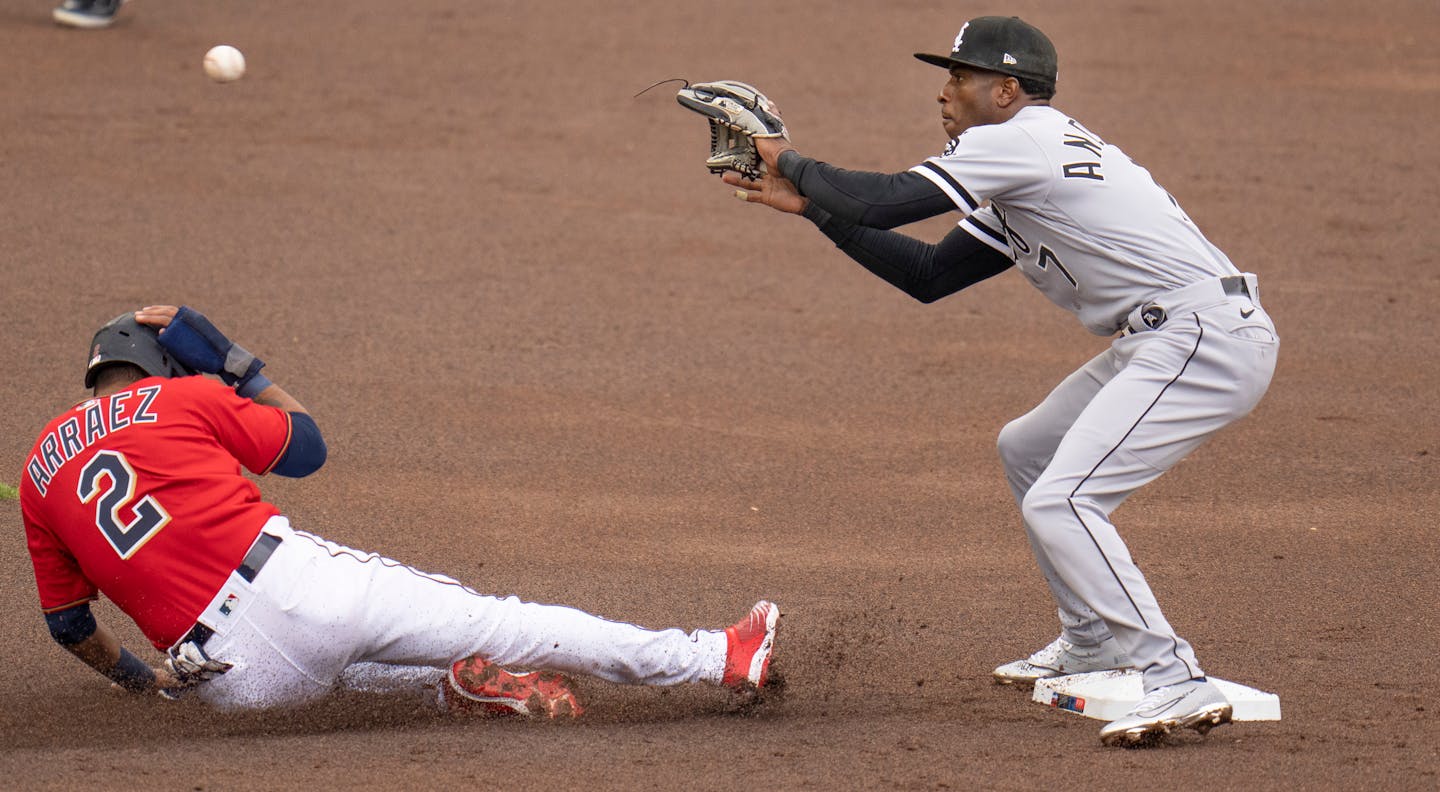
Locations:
749 643
477 685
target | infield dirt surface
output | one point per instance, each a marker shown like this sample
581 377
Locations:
553 357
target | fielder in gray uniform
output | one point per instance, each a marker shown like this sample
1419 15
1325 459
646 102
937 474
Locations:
1193 350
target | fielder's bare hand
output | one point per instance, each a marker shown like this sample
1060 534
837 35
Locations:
771 189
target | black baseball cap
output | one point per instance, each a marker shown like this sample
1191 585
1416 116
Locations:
1007 45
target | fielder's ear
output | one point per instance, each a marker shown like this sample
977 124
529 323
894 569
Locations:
1006 90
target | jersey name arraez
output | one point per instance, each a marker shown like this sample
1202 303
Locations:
1069 208
94 422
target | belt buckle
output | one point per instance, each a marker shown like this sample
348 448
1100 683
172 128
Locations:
1153 316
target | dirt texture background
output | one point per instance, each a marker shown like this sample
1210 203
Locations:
545 365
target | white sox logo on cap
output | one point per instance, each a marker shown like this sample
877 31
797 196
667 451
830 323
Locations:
960 37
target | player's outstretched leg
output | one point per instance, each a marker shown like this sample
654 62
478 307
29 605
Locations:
476 685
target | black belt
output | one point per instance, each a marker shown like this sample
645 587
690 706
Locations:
1154 314
250 566
265 544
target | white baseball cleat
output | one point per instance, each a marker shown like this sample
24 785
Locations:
1062 658
1193 704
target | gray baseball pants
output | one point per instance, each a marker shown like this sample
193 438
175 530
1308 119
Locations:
1111 427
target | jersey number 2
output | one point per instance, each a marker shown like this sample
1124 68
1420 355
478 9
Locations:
150 516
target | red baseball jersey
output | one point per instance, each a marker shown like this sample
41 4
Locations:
139 495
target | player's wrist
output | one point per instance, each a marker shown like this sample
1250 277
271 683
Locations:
245 374
251 386
131 673
771 149
816 214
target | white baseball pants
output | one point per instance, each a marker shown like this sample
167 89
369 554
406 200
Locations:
317 607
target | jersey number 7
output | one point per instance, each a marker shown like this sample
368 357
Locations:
150 516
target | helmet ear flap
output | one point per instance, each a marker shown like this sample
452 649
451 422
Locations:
124 340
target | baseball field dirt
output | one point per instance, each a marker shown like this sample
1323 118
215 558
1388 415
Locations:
554 357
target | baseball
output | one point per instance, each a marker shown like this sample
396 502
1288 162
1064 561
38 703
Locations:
224 63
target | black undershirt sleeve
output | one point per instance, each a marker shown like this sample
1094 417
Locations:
923 271
874 200
856 209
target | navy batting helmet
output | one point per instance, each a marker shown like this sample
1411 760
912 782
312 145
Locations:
124 340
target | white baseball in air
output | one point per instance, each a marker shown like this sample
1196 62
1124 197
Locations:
224 63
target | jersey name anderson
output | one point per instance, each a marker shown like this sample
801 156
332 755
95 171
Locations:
78 432
1087 226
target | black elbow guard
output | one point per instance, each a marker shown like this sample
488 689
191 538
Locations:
72 625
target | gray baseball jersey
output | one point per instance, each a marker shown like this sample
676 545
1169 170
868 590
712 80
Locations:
1087 226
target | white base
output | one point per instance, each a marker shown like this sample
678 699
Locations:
1108 695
